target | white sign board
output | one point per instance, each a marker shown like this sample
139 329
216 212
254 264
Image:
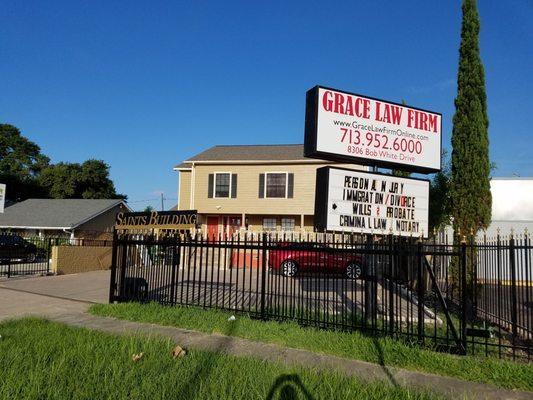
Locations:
2 196
356 201
347 127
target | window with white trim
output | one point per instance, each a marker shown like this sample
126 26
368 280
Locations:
222 184
287 224
269 224
276 184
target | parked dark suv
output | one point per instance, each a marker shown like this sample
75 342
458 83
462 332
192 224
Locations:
14 247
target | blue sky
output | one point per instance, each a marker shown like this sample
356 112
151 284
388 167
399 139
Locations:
145 85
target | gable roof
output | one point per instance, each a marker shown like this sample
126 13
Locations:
236 153
55 213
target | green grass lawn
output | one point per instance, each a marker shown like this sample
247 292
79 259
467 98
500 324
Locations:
45 360
385 351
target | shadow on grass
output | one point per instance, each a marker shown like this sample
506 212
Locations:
189 390
288 387
285 387
381 361
375 340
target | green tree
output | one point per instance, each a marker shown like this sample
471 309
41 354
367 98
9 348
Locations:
400 173
89 180
28 173
470 195
60 180
20 163
95 182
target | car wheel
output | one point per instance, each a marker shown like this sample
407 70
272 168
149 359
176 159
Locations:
289 268
31 257
354 270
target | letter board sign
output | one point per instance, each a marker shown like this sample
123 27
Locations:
347 127
363 202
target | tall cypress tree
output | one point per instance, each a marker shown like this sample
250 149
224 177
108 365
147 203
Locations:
470 184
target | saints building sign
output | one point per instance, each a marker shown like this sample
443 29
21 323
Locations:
168 220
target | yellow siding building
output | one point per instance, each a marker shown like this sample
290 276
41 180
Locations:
255 187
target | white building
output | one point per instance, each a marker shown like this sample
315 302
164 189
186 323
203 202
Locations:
512 205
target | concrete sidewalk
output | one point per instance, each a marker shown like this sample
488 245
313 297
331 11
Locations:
73 313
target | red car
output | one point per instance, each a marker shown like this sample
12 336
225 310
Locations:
291 258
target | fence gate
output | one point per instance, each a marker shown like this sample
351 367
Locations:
24 255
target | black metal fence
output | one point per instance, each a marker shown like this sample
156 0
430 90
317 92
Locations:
433 293
503 289
32 255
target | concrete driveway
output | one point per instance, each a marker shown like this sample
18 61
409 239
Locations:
17 304
91 287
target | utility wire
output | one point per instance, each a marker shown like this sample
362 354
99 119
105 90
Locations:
154 199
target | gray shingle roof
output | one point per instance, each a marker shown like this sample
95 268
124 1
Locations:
183 165
274 152
54 213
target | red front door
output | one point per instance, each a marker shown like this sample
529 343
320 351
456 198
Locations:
212 228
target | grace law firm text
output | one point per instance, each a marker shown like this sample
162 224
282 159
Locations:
365 192
378 140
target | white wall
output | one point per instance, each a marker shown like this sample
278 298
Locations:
512 205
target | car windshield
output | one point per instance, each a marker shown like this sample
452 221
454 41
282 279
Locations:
6 239
11 239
